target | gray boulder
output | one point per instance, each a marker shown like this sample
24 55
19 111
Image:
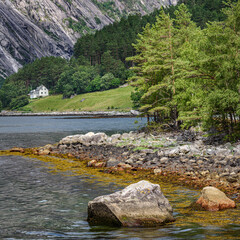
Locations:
140 204
85 139
134 112
99 137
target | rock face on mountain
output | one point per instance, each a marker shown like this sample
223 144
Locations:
32 29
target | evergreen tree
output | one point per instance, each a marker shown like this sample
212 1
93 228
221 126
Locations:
158 47
110 65
208 84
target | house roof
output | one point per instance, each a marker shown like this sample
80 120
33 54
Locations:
35 91
40 87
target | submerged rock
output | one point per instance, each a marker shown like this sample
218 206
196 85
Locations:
44 152
139 205
212 199
16 149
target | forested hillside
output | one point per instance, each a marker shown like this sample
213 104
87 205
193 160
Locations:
106 50
182 77
118 37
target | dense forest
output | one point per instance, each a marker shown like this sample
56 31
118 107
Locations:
183 61
119 37
187 75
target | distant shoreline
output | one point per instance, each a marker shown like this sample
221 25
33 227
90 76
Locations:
94 114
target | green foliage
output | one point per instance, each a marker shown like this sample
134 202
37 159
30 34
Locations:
116 38
155 68
163 86
119 36
95 101
2 80
18 102
9 92
44 71
213 74
190 75
203 11
68 90
1 106
97 20
113 66
94 85
78 26
136 97
77 78
108 81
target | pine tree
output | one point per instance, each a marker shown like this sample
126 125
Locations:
158 49
155 67
208 86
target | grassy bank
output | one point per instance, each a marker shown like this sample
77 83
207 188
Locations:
114 99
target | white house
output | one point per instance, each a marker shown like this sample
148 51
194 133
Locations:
40 91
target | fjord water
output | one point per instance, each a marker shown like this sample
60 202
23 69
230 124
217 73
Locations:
38 131
38 204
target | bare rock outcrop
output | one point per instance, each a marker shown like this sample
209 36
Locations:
139 205
31 29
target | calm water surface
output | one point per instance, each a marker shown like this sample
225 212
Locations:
37 204
38 131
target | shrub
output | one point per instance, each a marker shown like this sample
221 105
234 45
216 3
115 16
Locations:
19 102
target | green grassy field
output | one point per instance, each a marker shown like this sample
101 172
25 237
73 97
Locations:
114 99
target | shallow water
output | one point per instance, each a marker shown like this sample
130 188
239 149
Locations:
38 204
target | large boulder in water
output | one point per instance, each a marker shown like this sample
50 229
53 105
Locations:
212 199
139 205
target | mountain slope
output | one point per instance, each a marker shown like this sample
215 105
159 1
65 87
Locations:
31 29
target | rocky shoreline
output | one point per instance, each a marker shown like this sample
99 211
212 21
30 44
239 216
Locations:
106 114
185 158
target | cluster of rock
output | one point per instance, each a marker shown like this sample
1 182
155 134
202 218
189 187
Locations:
143 205
164 152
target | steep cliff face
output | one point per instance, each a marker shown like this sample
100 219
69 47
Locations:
31 29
